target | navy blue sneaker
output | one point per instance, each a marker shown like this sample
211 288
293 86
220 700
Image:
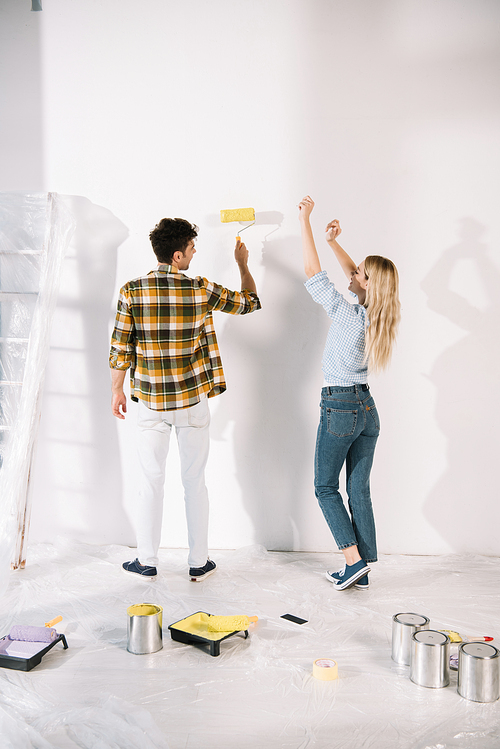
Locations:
143 570
200 573
349 575
363 583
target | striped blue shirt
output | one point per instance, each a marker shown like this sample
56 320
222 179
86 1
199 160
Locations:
343 357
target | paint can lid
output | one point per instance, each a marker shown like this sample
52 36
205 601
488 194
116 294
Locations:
144 609
479 650
431 637
414 620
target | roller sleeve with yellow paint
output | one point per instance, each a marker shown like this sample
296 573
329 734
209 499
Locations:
238 214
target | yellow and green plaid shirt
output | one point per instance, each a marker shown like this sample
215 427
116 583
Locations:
165 333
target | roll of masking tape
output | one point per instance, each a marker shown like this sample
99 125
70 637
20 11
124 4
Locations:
325 669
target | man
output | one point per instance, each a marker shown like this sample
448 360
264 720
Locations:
164 333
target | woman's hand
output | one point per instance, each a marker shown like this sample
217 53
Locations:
305 207
333 230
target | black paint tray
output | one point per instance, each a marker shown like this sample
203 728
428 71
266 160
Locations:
25 664
193 630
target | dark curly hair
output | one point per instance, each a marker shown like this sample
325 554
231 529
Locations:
171 235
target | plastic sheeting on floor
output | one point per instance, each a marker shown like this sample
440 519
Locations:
259 692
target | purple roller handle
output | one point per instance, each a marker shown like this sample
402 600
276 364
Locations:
28 633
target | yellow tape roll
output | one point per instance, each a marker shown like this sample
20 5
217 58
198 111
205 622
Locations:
325 669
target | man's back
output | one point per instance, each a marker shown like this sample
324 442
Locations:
164 331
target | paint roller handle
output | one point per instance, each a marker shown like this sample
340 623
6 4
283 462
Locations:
53 621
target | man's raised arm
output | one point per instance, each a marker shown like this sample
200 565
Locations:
241 257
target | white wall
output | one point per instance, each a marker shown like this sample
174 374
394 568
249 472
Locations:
386 112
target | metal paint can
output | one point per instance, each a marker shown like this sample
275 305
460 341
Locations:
478 672
430 659
144 628
404 627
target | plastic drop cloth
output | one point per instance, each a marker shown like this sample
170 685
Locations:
259 692
35 230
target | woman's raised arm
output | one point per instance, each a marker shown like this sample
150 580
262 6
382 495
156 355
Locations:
346 262
310 253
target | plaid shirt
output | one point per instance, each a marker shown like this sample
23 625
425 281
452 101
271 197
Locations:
344 354
165 333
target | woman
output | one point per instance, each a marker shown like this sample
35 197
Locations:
361 338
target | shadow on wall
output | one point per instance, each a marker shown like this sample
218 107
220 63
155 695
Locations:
78 462
270 364
463 505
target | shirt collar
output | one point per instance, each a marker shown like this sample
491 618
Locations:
164 268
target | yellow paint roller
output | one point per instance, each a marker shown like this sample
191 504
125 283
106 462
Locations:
229 623
238 214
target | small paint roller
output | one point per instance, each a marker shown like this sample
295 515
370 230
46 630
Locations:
29 633
238 214
229 623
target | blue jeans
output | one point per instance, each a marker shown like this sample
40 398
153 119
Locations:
347 432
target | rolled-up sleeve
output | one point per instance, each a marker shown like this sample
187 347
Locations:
232 302
337 307
122 352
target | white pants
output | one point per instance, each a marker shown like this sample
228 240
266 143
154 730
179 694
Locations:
192 431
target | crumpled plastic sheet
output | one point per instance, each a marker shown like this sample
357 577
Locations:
259 692
35 230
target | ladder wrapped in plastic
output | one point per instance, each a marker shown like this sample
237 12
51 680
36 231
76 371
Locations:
35 230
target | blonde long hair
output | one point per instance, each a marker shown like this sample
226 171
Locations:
383 311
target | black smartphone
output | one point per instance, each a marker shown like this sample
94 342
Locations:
295 619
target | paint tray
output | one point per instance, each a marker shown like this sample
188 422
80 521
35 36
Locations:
26 663
193 630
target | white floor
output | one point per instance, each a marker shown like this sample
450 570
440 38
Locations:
259 692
